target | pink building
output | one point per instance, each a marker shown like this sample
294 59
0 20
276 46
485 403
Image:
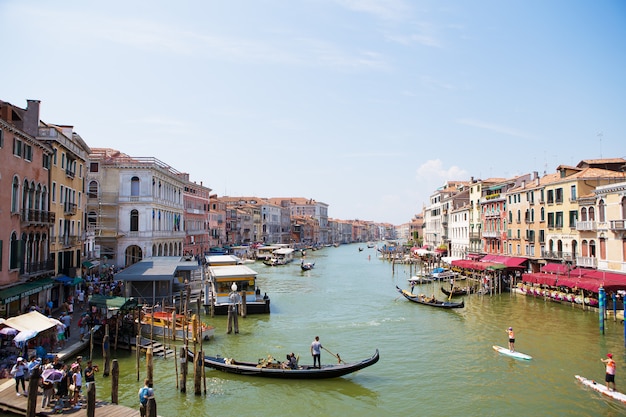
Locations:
25 217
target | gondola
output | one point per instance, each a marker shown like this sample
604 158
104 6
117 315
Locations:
307 266
432 302
456 291
270 369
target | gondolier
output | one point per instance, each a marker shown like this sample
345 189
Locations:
316 352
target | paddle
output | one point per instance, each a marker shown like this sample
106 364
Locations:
336 356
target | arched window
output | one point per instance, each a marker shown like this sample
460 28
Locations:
543 215
134 186
601 211
92 192
592 214
585 248
623 204
16 250
92 219
583 214
592 248
15 196
134 221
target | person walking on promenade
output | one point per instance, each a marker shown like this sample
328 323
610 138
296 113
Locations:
511 334
19 373
610 371
316 352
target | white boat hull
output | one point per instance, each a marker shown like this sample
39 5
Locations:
515 354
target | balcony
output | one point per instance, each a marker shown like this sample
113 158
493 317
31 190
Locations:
37 217
587 261
586 226
69 208
70 174
618 225
490 234
475 235
34 269
554 255
69 240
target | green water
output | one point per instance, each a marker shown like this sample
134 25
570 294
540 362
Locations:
433 362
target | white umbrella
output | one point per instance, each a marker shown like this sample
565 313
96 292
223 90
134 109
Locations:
25 335
52 375
8 331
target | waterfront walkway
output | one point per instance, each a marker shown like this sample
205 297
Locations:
10 402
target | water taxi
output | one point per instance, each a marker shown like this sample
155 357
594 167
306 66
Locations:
218 289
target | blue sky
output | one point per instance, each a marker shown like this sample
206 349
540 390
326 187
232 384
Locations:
366 105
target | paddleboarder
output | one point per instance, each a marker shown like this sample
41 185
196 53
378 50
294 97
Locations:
511 339
610 371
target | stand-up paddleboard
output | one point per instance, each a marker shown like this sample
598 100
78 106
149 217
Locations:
516 355
616 395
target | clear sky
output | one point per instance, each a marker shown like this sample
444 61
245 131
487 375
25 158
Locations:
366 105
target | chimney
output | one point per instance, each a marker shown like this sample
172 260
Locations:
31 118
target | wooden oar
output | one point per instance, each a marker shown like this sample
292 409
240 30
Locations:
336 356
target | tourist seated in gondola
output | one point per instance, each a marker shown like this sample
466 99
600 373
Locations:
291 362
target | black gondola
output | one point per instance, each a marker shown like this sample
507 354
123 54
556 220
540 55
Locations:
307 266
269 369
456 291
432 301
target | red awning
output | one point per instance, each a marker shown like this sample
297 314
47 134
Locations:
475 265
513 262
539 278
586 279
489 258
554 268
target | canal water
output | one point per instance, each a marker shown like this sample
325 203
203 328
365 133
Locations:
433 362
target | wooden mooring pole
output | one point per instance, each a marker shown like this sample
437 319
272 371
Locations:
91 400
115 382
183 369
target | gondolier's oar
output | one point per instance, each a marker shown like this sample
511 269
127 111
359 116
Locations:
336 356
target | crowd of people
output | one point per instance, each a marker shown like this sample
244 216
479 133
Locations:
61 384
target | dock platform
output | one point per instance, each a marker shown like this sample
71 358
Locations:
12 403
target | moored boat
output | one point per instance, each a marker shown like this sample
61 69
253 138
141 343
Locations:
306 266
161 324
219 287
458 291
429 301
268 368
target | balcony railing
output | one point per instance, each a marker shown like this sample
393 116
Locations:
618 225
552 255
69 240
38 217
589 225
587 261
38 268
69 208
70 173
490 234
